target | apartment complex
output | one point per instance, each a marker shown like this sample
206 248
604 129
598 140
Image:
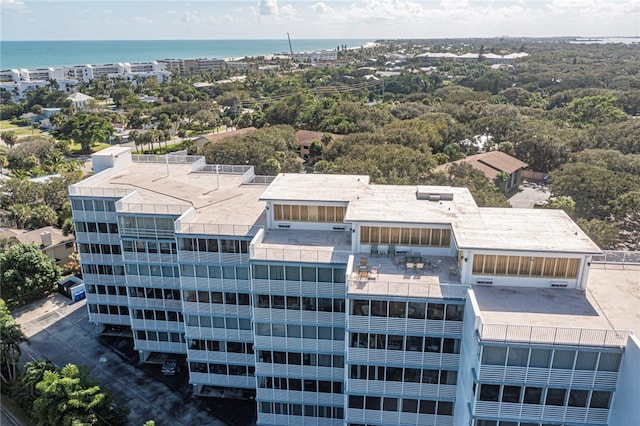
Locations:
334 301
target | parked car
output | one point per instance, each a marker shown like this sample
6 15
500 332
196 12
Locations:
170 367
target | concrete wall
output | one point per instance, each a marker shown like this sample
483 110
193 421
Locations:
468 361
625 408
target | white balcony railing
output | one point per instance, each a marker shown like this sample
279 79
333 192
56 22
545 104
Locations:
553 335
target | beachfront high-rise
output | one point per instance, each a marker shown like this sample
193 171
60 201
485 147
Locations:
340 302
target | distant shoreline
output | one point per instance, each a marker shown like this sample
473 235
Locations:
45 54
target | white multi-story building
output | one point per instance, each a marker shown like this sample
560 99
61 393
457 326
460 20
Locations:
316 56
340 302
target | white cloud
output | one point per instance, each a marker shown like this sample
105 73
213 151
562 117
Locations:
189 17
12 6
142 20
383 10
321 8
268 7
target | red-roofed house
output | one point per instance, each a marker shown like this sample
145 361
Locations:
491 163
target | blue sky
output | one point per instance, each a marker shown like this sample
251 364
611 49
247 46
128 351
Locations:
240 19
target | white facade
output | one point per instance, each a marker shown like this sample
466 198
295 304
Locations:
318 302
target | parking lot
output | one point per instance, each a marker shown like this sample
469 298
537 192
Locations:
60 331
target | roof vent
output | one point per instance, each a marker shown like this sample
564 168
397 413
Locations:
434 193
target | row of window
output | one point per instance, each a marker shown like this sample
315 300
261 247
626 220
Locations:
399 374
224 369
155 293
99 248
301 358
297 273
547 396
108 309
94 205
221 346
140 246
101 227
322 304
230 323
214 245
407 405
160 336
216 297
158 315
88 268
405 236
415 310
226 272
545 358
301 410
153 270
112 290
408 343
300 331
148 223
305 213
306 385
503 423
489 264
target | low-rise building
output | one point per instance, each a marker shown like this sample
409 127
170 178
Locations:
51 240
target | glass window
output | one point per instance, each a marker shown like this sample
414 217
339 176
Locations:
379 308
390 404
586 360
511 394
532 395
427 407
518 357
397 309
309 332
372 403
489 392
435 311
563 359
600 399
410 405
292 273
293 330
356 401
540 358
555 396
325 275
454 312
308 274
609 361
494 355
445 408
416 310
260 272
578 398
325 333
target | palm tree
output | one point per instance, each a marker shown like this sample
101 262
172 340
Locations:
34 373
11 338
10 138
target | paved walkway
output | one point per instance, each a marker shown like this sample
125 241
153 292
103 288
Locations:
60 331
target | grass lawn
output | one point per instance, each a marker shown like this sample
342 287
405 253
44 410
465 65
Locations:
20 131
10 404
76 149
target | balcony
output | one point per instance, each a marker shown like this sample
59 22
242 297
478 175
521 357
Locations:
408 389
354 415
156 346
542 376
306 371
300 397
299 345
297 316
246 382
532 412
393 357
381 276
109 319
554 335
403 325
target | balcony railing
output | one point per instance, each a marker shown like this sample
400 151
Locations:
553 335
610 259
298 255
216 229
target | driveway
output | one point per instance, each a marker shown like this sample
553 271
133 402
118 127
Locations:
528 197
60 331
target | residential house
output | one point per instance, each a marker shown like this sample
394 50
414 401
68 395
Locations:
51 240
491 164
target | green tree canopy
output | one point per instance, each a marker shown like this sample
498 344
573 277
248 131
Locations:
86 129
26 274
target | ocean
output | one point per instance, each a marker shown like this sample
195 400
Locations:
43 54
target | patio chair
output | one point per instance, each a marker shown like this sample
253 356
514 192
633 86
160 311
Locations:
435 266
420 267
410 265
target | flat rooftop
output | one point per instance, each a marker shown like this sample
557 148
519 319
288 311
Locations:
611 302
522 229
315 187
304 246
216 199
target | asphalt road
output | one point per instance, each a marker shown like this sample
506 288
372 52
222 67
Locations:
61 332
528 197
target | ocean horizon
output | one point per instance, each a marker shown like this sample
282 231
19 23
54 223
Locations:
49 53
